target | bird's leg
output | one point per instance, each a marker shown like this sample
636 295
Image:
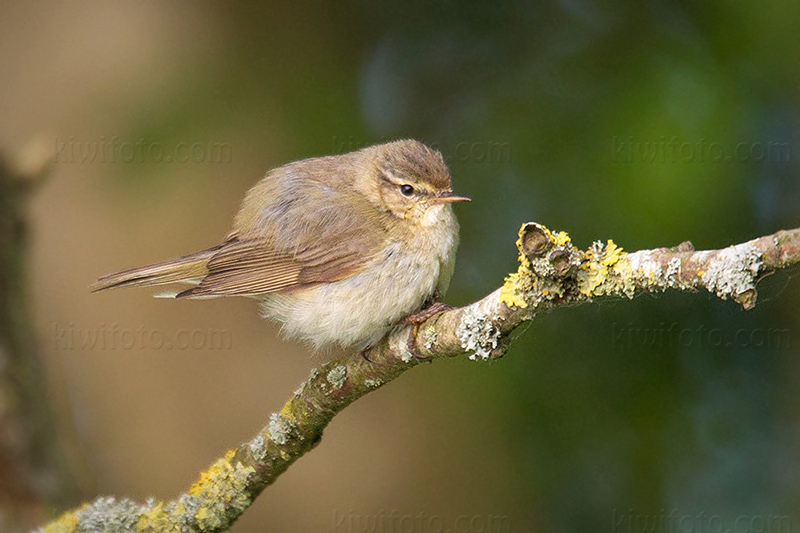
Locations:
435 306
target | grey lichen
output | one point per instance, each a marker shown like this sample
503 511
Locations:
228 493
643 264
258 447
430 337
239 479
191 504
337 376
312 375
478 336
299 390
673 272
373 383
401 347
278 429
733 271
107 514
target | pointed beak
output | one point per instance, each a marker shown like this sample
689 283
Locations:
450 197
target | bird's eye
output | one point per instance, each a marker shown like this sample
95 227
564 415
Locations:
406 190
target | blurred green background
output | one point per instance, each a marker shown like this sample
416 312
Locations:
647 122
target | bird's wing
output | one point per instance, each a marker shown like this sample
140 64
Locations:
305 233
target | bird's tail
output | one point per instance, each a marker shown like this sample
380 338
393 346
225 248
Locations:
187 269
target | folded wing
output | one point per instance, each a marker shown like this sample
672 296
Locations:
301 232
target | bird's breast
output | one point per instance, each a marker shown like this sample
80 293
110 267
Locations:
360 309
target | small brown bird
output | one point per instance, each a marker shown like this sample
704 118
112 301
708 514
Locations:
337 248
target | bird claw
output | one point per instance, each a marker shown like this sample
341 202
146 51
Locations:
416 319
424 314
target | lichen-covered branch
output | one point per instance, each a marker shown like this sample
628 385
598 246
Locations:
552 273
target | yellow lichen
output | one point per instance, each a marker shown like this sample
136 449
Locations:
220 488
213 475
624 272
523 260
518 287
179 509
591 276
559 239
66 523
291 410
156 519
208 519
287 413
512 293
611 253
552 289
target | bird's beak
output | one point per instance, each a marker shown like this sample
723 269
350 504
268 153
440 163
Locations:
449 197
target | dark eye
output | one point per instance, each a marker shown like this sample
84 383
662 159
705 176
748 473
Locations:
406 190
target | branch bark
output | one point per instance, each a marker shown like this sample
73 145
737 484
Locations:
552 273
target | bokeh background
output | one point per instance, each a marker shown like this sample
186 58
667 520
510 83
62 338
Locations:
647 122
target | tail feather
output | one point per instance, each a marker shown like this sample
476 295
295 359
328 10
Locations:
186 269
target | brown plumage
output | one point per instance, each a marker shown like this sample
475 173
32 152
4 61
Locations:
176 270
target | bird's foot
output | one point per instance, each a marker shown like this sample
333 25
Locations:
416 319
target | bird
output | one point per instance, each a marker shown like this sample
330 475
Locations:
338 249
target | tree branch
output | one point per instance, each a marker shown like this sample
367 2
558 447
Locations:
552 273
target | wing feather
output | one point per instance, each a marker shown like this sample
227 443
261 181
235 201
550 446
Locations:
307 233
